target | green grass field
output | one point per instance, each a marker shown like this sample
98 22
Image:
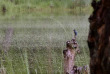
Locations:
16 8
37 44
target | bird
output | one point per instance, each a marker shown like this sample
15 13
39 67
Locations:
75 32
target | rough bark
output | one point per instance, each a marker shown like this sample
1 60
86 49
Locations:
69 61
69 56
99 37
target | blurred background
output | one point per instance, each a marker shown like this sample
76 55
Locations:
33 34
33 8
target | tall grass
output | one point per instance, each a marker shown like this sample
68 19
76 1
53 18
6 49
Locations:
37 44
41 28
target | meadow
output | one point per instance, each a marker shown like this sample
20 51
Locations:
40 31
12 8
37 44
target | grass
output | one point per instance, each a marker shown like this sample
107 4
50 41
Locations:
44 7
37 44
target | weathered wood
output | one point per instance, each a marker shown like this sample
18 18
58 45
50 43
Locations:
69 61
99 37
7 39
81 70
69 56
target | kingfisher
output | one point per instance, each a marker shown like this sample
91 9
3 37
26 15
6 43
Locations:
75 32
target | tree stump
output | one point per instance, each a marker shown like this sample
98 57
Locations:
99 37
69 56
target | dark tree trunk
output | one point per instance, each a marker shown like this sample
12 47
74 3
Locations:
99 37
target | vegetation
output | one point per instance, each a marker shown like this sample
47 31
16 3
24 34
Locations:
44 7
41 28
37 44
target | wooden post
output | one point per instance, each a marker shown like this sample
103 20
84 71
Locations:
69 61
69 56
